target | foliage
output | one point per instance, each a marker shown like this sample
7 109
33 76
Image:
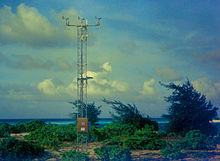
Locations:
172 151
196 140
5 129
144 139
128 136
113 152
53 135
116 140
74 156
129 114
33 125
18 127
189 110
93 111
115 129
12 149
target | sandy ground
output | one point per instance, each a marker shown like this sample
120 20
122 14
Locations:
148 155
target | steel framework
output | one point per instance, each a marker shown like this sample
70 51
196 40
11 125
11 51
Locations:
82 80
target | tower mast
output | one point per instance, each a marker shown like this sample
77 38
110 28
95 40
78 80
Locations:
82 80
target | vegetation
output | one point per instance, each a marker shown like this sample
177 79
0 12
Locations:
189 110
188 115
172 151
144 139
113 152
5 129
12 149
129 114
52 136
72 155
194 140
93 111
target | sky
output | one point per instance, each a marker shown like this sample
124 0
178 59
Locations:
138 44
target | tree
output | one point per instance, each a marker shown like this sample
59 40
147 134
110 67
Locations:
129 114
93 111
189 110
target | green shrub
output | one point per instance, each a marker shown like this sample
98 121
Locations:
143 142
134 142
194 139
94 134
12 149
5 129
116 140
74 156
53 135
18 127
172 151
115 129
144 139
113 152
33 125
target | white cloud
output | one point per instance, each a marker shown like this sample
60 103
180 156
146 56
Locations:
107 67
209 88
29 27
168 74
98 86
48 87
148 88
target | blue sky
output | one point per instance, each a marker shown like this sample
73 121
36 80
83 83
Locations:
138 44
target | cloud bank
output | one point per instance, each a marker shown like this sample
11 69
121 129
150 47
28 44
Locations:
27 26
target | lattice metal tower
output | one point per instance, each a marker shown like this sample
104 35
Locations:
82 80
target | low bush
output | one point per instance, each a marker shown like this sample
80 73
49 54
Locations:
53 135
113 152
116 140
142 143
33 125
145 138
194 139
5 129
115 129
74 156
172 151
12 149
18 127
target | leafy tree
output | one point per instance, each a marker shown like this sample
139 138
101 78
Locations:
129 114
189 110
93 111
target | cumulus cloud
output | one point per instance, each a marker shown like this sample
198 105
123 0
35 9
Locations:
209 88
100 85
28 26
107 67
28 62
168 74
148 87
48 87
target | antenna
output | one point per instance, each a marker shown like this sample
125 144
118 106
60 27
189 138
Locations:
82 79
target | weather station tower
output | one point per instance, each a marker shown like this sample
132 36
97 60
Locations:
82 80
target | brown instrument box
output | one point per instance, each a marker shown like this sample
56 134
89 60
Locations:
82 125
